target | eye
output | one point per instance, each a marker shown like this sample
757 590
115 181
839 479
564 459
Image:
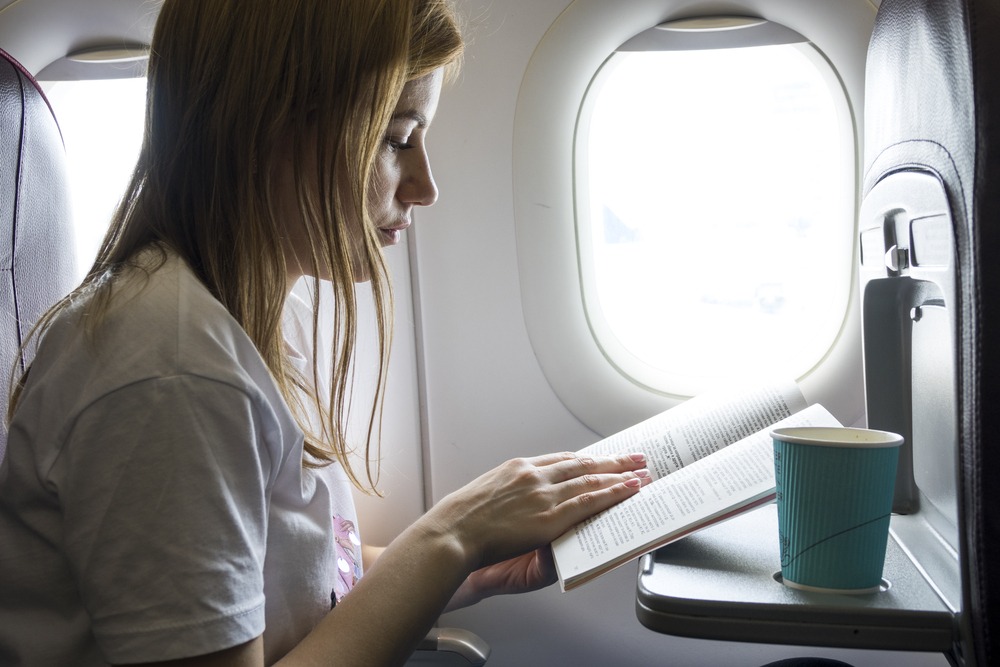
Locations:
398 143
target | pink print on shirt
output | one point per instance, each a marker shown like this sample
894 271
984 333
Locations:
348 557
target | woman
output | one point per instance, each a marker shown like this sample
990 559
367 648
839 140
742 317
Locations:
176 486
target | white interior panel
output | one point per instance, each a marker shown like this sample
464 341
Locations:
486 397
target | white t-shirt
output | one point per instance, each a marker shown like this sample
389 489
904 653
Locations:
153 501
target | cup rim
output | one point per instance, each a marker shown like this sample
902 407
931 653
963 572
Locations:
844 436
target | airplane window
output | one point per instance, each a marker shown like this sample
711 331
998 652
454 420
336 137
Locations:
714 205
102 124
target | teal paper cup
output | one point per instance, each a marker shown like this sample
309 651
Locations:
834 494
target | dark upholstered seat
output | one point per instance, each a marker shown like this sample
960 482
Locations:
36 235
930 219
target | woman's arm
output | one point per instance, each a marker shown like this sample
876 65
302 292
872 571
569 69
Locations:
370 554
513 510
499 524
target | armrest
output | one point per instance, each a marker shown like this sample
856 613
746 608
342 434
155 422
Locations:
458 643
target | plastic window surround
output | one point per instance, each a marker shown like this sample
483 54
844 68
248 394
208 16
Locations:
555 82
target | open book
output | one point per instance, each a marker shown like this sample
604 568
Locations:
710 458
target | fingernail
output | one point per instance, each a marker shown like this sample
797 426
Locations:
638 458
642 473
633 482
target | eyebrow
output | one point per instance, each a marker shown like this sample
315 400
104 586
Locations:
411 114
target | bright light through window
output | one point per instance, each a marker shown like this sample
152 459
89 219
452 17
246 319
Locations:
101 123
716 210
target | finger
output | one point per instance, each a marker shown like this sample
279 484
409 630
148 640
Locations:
545 567
578 465
590 483
584 505
554 457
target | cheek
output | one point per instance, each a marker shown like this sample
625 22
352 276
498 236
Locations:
384 179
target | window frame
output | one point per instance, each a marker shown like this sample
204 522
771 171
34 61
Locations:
548 105
95 65
90 224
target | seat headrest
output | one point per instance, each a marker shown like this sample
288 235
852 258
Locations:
36 233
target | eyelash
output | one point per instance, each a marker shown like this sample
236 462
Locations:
395 145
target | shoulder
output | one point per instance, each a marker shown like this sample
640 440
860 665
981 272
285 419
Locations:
165 309
164 349
160 321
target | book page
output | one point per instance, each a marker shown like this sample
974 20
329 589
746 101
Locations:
702 425
735 479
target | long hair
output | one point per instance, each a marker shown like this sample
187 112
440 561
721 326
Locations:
228 82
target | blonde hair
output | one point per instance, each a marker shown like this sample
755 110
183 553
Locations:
228 81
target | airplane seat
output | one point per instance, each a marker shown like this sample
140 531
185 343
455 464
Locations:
37 235
931 296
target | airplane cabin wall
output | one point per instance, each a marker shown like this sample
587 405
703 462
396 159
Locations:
481 391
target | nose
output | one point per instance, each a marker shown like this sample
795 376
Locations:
418 187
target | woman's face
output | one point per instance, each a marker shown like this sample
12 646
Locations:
401 180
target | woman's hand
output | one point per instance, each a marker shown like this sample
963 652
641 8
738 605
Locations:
521 574
522 505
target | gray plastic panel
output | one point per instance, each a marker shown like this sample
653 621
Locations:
721 584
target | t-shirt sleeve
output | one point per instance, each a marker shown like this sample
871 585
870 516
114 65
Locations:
163 486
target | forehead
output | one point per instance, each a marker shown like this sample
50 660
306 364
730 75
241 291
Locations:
420 97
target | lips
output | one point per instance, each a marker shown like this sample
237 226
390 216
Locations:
390 236
394 234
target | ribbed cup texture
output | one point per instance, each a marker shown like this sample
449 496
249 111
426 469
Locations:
834 506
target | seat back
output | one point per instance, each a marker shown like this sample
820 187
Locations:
36 234
931 294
